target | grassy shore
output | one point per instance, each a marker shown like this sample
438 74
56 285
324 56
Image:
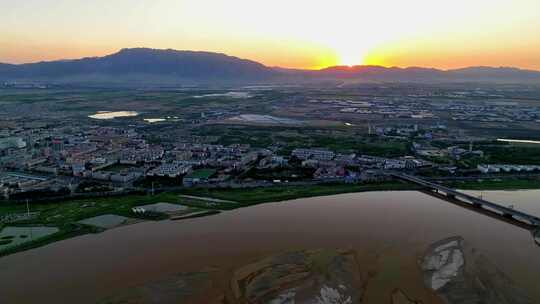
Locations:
65 214
253 196
502 184
61 213
66 232
58 213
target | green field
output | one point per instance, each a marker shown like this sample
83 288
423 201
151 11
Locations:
496 152
16 236
514 154
202 173
65 214
335 139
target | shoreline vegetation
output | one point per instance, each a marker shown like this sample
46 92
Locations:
496 184
254 196
66 215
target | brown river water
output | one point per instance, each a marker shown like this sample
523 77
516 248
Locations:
396 226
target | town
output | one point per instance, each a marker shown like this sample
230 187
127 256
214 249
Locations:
212 146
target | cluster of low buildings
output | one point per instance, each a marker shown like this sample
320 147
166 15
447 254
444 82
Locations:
426 131
15 182
173 169
389 107
330 165
493 168
464 105
453 152
63 157
313 154
489 111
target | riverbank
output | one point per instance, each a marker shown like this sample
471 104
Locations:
65 232
406 224
254 196
66 215
496 184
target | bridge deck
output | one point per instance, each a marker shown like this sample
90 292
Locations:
474 200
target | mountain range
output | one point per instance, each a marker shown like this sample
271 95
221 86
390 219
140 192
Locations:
144 65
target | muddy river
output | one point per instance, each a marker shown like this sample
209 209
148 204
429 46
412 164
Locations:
388 231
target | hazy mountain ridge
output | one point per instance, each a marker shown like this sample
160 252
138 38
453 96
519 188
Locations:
143 61
431 74
153 65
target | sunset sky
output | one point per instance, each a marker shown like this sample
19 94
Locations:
287 33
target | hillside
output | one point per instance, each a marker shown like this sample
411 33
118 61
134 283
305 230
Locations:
152 66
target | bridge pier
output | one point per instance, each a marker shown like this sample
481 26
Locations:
507 215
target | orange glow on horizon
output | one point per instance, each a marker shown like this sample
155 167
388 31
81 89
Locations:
438 34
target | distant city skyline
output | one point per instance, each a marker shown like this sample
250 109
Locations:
299 34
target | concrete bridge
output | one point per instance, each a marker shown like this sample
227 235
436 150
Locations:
476 202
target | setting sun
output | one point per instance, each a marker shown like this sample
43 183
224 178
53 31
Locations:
350 58
391 33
